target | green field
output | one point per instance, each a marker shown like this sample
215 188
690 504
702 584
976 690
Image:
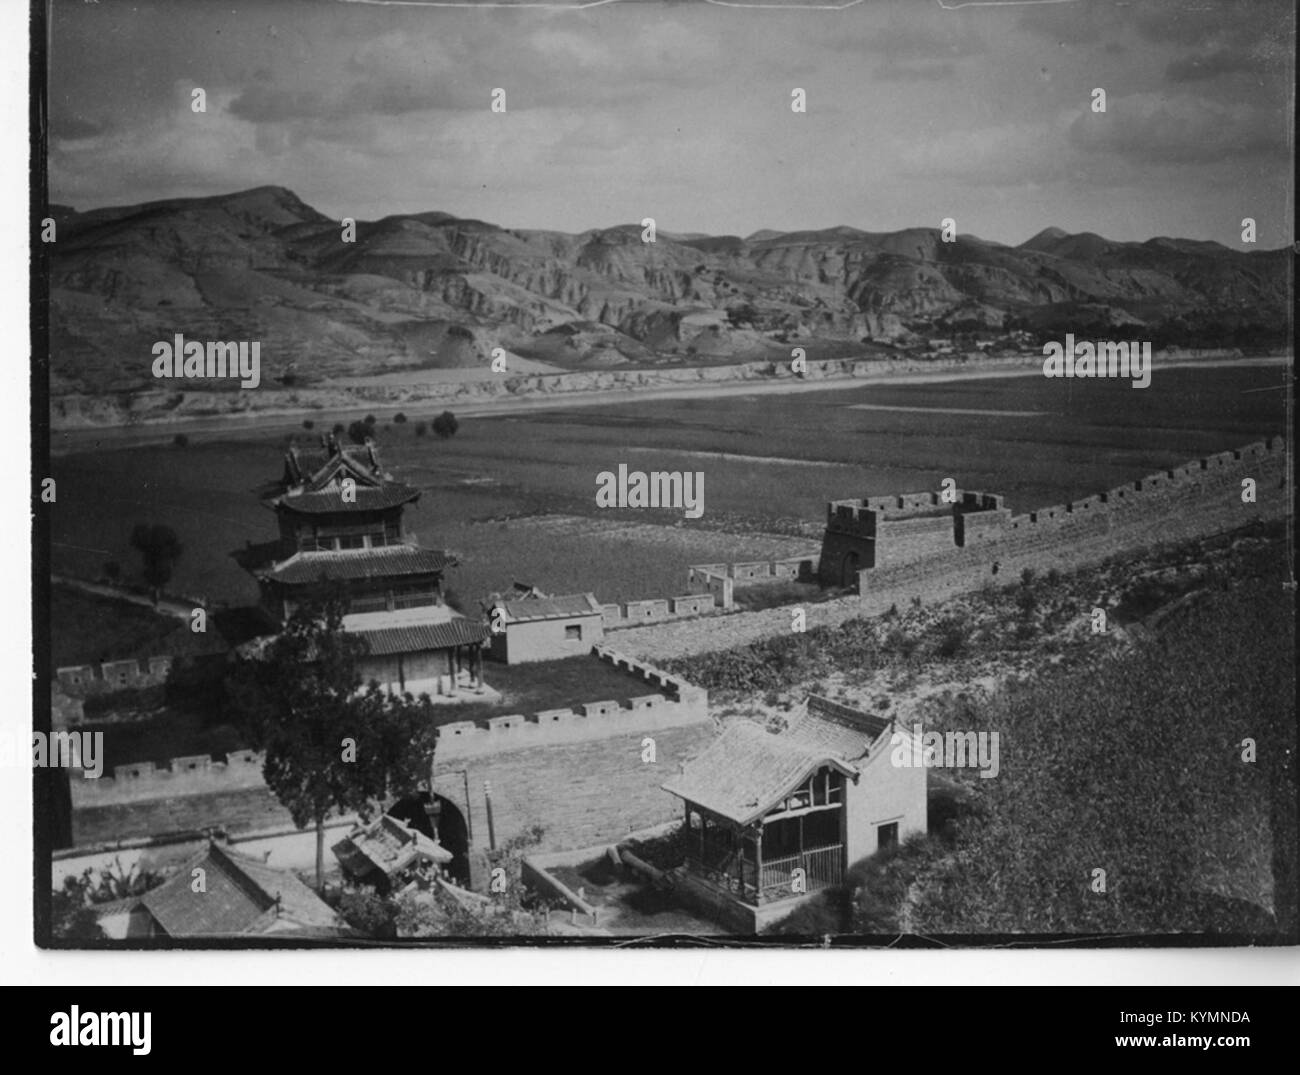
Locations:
490 490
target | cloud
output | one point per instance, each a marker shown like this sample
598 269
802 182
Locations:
915 71
1200 67
74 128
1009 154
1158 129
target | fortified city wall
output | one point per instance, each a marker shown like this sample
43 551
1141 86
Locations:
1196 499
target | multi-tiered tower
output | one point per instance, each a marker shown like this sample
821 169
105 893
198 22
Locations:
340 521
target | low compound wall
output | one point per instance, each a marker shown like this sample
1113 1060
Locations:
195 774
721 580
81 680
674 703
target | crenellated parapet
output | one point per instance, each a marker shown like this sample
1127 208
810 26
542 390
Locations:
672 702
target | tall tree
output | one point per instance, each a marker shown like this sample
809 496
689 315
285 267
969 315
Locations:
329 743
159 549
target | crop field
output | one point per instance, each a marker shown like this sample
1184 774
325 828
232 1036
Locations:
514 496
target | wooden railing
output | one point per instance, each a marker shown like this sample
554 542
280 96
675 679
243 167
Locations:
822 867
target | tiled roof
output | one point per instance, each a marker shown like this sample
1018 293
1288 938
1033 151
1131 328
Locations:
415 638
747 770
388 846
240 897
358 564
330 500
846 733
550 608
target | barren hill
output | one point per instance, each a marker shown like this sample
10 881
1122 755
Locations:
431 290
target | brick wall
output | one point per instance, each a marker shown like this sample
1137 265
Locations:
581 794
900 541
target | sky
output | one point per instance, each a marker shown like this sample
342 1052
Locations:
916 111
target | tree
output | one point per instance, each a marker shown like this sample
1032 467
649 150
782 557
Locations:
399 419
159 548
445 425
72 918
359 432
329 744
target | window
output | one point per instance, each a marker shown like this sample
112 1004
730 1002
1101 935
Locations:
886 836
352 541
573 631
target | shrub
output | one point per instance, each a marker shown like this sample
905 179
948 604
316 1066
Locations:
399 419
900 642
181 440
954 634
421 428
1027 577
445 425
339 427
359 431
371 420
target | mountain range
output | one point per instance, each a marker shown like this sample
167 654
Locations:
431 290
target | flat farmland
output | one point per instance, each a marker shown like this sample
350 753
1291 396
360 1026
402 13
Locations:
514 495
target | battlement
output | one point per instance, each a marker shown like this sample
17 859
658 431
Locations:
711 588
192 774
1209 486
78 681
675 703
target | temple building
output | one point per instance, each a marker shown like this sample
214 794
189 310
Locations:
771 818
340 518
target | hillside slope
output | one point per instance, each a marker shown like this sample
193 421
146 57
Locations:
433 291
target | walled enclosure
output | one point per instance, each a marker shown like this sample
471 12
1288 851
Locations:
586 776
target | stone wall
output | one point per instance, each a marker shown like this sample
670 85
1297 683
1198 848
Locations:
78 681
674 703
1195 499
585 775
580 794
